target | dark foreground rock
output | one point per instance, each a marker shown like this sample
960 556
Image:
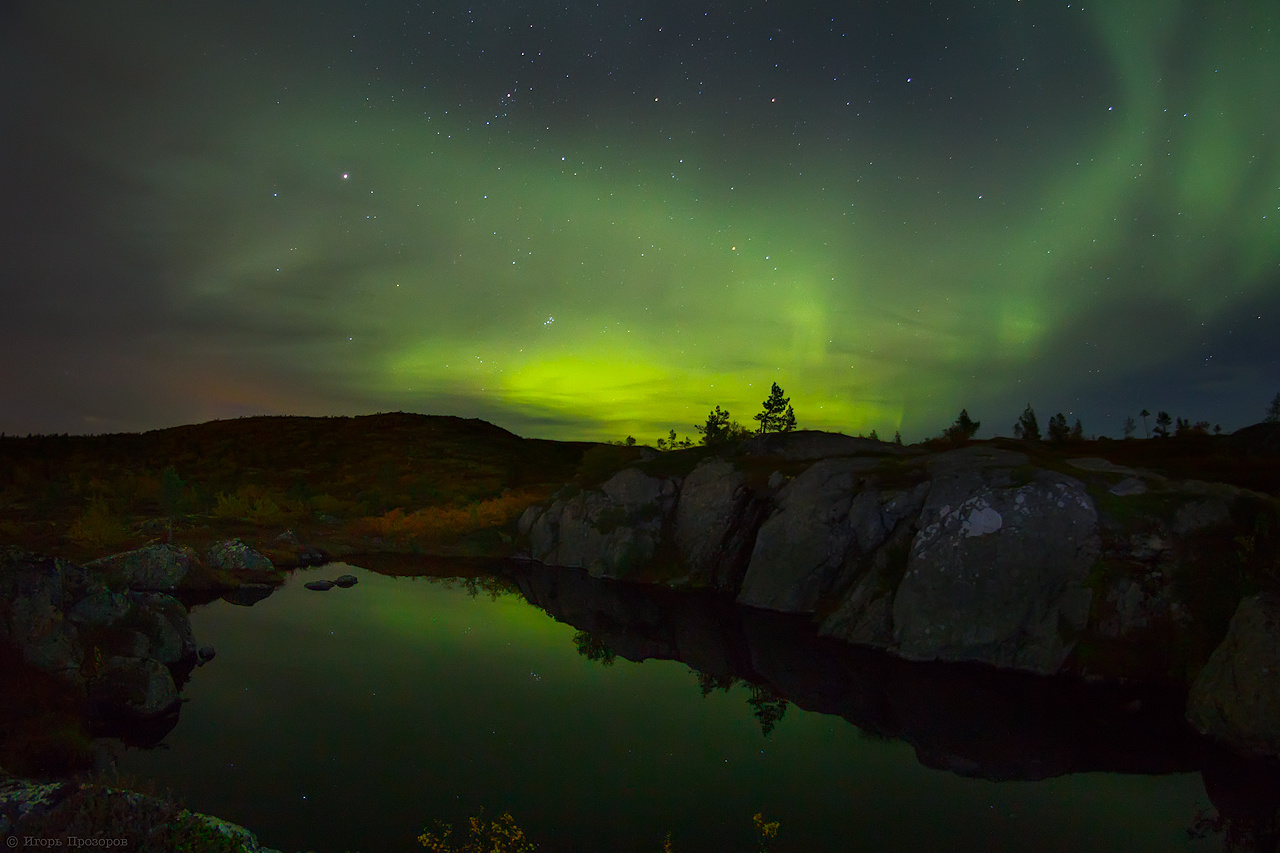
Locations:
161 568
118 648
1236 698
80 814
242 562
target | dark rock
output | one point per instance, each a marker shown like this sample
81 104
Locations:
164 625
204 654
35 593
803 544
716 521
289 538
345 581
111 643
309 556
133 687
160 568
997 571
242 561
32 809
1128 487
136 624
319 586
1236 697
1133 605
610 532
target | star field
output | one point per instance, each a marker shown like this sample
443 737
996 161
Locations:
592 220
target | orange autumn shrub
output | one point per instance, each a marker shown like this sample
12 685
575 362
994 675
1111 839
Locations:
437 523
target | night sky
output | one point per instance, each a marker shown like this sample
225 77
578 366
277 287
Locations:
593 220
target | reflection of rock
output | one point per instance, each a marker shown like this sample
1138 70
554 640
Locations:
345 581
320 585
973 720
248 594
1236 698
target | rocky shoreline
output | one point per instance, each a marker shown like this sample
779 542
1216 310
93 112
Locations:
982 554
115 634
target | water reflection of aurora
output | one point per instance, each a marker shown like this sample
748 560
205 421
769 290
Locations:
353 718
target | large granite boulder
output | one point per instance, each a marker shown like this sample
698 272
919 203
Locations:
138 624
90 812
133 688
716 521
109 643
35 594
241 561
997 571
802 546
160 568
1236 697
611 532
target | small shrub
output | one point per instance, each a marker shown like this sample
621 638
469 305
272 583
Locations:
98 527
234 506
493 836
442 523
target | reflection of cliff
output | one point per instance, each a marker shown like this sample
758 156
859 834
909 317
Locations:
970 719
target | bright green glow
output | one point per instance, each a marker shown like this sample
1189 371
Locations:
595 285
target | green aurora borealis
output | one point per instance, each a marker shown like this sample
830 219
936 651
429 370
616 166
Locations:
585 223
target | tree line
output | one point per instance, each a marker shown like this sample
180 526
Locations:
777 415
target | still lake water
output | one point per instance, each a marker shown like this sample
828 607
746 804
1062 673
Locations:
352 719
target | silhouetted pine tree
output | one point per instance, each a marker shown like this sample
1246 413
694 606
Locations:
1027 428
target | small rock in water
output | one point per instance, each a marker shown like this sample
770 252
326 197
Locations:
345 581
319 586
204 654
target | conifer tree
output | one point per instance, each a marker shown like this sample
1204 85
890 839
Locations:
1163 422
1059 432
1027 428
777 416
963 429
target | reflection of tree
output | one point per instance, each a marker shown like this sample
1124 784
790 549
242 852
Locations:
593 647
491 585
1239 835
767 706
709 683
